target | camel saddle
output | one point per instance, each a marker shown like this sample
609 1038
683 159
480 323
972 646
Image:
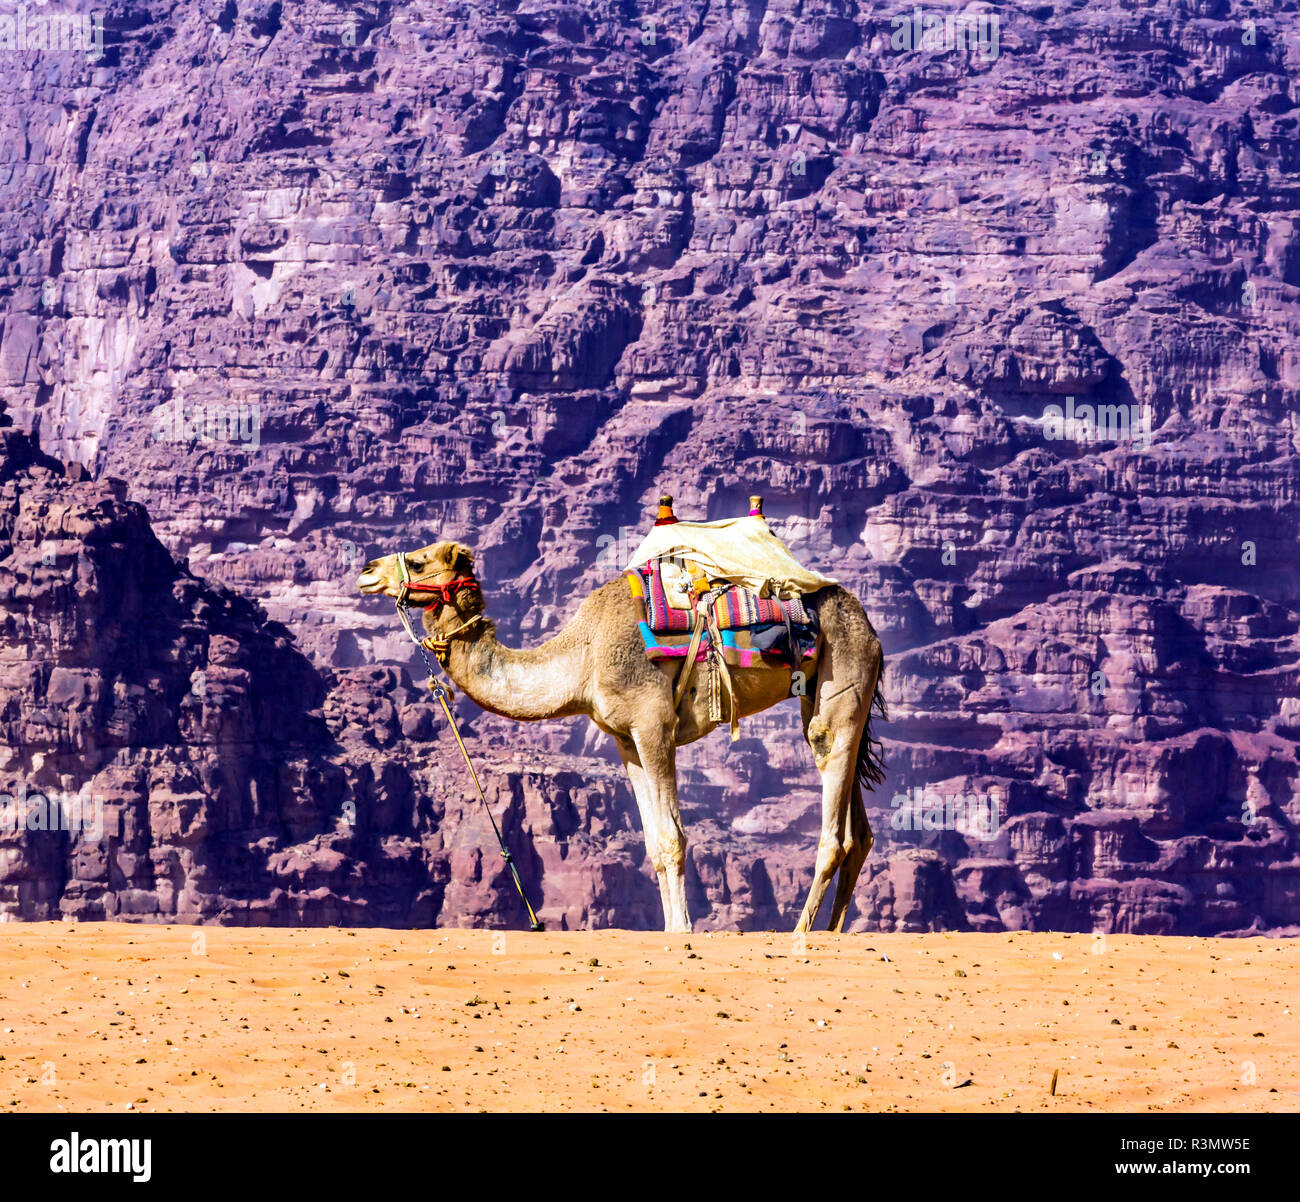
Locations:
725 594
686 616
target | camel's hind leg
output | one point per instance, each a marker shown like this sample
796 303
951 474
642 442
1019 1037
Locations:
861 840
833 727
836 720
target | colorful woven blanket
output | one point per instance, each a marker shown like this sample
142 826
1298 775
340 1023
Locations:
662 615
750 626
738 607
670 602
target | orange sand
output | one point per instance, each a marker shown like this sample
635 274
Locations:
109 1017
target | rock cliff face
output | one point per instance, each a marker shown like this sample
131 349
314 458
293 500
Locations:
169 755
999 314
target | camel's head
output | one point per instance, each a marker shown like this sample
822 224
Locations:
433 576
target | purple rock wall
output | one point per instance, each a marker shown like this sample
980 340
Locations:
322 281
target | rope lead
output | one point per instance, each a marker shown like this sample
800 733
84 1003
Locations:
437 689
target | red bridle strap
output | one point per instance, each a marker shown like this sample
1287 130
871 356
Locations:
446 593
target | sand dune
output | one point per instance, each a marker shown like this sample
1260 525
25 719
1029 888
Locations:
108 1017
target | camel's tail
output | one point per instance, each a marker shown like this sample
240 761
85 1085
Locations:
871 758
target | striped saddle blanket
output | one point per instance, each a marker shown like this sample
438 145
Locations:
750 626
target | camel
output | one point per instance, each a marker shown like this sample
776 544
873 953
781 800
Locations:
597 667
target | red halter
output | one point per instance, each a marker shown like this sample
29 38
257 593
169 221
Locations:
445 593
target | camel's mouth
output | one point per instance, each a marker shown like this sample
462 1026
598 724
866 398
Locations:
370 582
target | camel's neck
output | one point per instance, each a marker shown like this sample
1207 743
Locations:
544 682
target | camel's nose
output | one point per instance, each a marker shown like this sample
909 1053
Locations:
369 576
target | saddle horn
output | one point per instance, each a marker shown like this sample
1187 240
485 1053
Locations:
666 516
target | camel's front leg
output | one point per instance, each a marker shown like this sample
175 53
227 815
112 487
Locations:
652 768
641 791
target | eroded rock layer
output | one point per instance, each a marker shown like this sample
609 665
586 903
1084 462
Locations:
320 281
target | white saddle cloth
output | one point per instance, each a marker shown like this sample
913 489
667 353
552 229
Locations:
743 551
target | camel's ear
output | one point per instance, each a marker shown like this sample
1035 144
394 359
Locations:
461 559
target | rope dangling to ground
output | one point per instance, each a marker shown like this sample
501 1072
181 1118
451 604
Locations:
439 691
